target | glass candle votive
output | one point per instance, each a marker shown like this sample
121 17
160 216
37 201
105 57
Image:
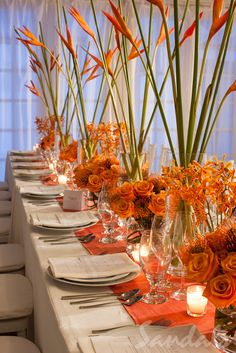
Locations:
196 303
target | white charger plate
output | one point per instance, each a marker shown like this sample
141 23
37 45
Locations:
125 279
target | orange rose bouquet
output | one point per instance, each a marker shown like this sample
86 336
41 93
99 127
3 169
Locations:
212 259
99 169
140 199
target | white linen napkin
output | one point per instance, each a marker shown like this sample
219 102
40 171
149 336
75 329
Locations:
63 219
43 190
87 266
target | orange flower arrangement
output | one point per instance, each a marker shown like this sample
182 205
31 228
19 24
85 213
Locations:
212 259
46 129
210 189
99 169
69 153
107 135
140 199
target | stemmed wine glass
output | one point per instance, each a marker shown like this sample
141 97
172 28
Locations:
155 256
107 216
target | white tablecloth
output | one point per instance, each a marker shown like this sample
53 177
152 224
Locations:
57 324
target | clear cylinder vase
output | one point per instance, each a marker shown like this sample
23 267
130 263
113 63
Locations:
224 333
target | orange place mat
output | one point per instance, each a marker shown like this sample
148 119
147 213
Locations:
171 313
49 180
96 247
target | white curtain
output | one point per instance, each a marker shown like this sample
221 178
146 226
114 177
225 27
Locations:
18 107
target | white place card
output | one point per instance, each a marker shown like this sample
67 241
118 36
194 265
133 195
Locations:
73 200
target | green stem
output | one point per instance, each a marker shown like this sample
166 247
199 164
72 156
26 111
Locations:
192 113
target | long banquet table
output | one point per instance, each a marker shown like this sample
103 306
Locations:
57 324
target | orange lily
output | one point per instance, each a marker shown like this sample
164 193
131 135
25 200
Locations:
53 60
219 23
189 32
93 73
32 39
119 23
133 52
108 58
162 34
117 38
68 43
158 3
33 89
34 64
81 21
85 68
232 88
217 9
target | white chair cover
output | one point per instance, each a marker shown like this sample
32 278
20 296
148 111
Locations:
5 195
14 344
3 185
11 257
5 225
16 298
5 208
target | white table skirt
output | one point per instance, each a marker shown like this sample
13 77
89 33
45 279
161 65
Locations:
57 324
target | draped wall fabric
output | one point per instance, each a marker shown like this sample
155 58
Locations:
18 107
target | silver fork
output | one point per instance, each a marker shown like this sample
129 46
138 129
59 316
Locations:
128 302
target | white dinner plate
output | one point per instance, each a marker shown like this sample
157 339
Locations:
42 197
65 228
99 280
127 278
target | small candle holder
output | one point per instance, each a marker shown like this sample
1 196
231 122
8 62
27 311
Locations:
196 303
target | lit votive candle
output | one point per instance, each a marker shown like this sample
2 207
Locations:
196 303
62 179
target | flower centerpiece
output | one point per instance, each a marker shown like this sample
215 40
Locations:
140 199
212 260
209 189
99 169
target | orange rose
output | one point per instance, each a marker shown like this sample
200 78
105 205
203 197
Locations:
157 204
94 183
109 175
221 290
202 266
81 176
143 188
229 264
126 191
123 208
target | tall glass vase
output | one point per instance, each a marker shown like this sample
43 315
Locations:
224 333
182 232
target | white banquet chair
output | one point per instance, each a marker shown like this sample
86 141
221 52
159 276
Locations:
5 195
5 227
14 344
5 208
16 304
12 258
3 186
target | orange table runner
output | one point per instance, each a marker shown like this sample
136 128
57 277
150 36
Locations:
170 313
